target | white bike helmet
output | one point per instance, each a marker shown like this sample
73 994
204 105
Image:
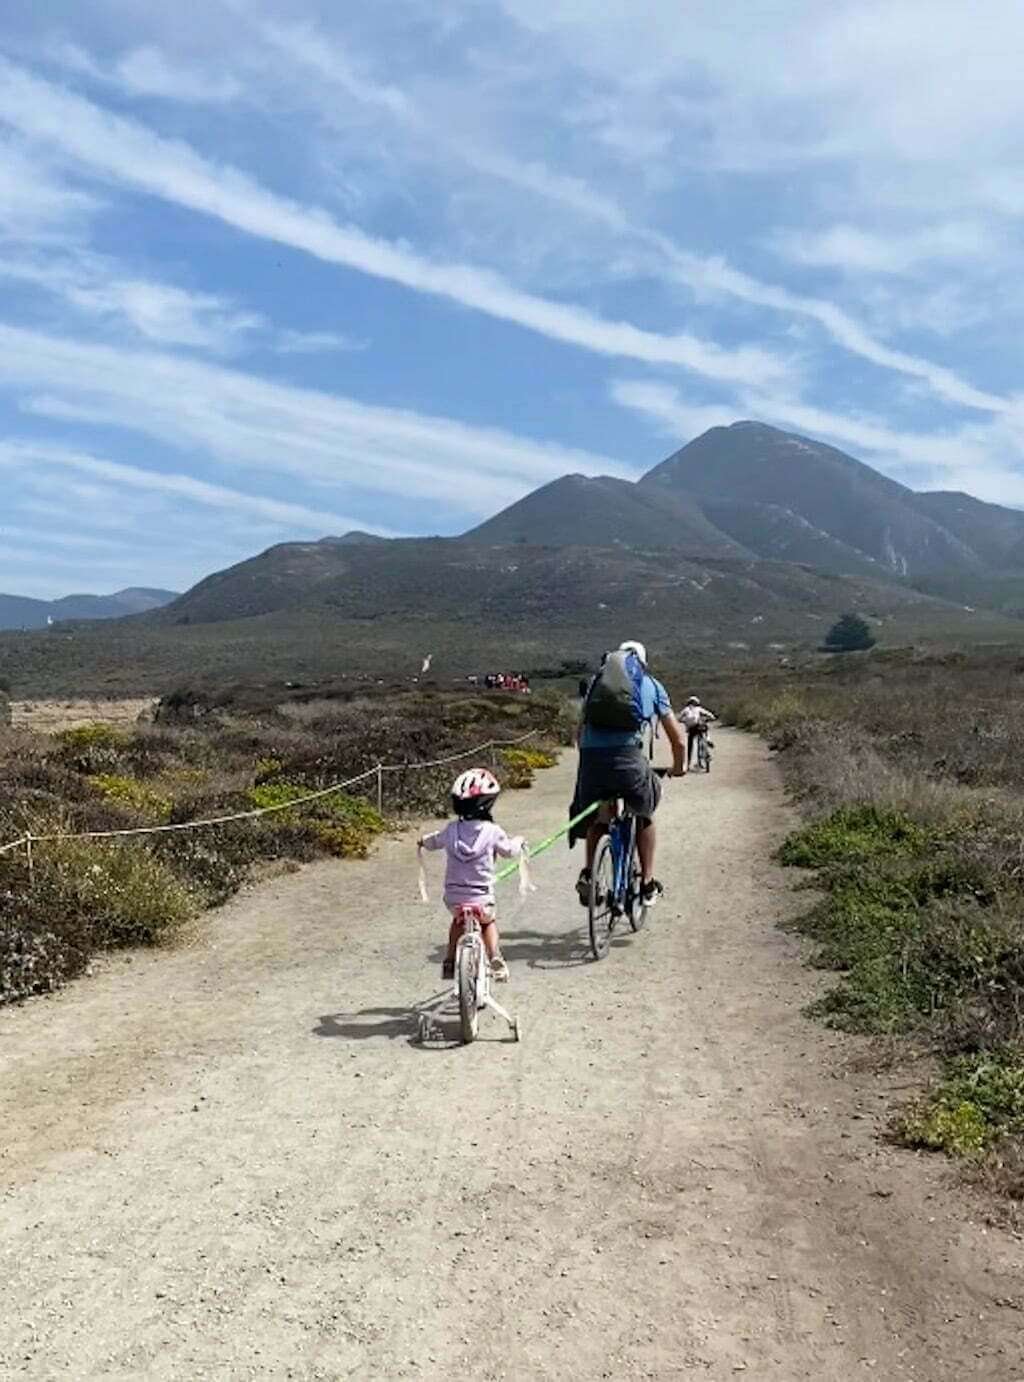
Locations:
632 646
474 792
693 700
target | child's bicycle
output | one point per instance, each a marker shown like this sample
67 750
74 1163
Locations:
616 879
472 981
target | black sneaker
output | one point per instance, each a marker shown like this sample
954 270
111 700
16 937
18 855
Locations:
447 969
651 892
583 887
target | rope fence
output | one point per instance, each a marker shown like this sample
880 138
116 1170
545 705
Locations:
30 838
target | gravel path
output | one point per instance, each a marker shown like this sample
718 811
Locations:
232 1162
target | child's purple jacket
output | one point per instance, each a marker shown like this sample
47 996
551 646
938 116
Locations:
471 847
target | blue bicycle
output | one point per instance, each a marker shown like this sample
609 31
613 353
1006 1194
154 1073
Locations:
616 879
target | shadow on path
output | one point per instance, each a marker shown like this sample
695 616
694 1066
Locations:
368 1022
538 949
544 950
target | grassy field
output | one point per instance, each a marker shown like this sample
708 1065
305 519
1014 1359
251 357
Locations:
910 770
206 758
376 614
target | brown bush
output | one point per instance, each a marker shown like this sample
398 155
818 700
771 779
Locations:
205 760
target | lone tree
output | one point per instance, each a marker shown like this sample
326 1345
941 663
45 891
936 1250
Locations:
850 635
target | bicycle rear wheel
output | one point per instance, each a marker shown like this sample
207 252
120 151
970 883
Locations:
636 907
468 968
600 915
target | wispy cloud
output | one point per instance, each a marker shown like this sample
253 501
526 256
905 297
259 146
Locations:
852 249
17 453
710 278
148 72
157 312
160 313
124 150
34 200
241 420
290 342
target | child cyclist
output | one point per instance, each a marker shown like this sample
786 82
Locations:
471 843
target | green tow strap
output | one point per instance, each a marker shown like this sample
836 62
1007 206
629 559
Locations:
511 868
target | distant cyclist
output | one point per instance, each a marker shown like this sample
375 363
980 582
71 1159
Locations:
621 702
695 718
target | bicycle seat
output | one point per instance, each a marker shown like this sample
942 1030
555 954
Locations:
471 911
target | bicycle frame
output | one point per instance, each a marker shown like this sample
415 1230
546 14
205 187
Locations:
621 832
471 938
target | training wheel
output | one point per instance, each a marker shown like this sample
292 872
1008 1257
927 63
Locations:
424 1028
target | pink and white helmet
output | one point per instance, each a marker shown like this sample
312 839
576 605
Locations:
475 783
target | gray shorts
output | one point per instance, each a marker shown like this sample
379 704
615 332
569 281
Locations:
605 774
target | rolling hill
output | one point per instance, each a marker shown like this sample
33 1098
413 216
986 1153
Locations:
747 541
17 612
374 611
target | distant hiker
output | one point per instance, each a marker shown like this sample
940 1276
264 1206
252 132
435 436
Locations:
695 718
620 703
471 842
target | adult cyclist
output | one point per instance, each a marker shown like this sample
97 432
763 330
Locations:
621 702
695 718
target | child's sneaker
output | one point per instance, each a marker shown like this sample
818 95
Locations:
448 969
499 970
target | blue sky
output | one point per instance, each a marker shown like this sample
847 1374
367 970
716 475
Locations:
272 270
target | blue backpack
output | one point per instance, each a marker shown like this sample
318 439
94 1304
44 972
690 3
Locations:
615 698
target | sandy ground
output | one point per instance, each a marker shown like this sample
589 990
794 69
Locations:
46 717
232 1161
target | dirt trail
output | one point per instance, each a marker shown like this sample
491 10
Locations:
230 1162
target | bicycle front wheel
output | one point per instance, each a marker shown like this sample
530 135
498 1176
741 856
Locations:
468 969
600 913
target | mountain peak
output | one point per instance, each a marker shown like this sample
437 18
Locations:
871 517
603 511
353 538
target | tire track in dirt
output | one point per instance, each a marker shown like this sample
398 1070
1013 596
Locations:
230 1161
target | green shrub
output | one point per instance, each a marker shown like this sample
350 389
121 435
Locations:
86 896
92 749
518 765
853 834
91 736
341 824
979 1101
531 758
915 939
276 796
120 892
134 795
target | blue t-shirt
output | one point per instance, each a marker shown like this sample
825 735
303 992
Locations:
653 700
